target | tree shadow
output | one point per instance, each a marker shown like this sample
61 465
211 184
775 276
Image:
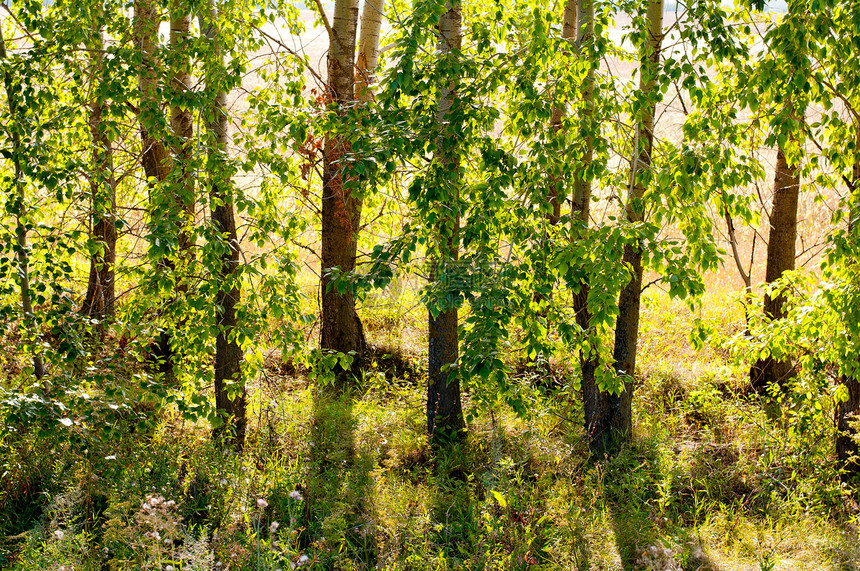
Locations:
648 528
454 517
339 513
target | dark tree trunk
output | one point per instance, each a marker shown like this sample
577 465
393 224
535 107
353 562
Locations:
30 327
229 400
154 157
616 419
846 446
780 258
341 329
595 402
101 289
445 423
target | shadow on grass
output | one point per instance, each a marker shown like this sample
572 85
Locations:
339 510
454 517
648 513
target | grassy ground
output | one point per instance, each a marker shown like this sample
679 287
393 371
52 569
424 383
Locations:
348 481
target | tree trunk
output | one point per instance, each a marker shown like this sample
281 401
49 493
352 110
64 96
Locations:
31 330
594 401
230 401
182 123
445 423
101 289
341 213
846 446
780 258
154 157
619 416
368 49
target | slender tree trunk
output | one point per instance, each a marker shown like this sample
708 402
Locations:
368 49
182 123
595 402
20 210
154 156
780 258
101 289
341 212
620 415
229 400
445 421
568 32
846 446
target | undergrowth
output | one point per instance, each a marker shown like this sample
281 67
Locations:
347 481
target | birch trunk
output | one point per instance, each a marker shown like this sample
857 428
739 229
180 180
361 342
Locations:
368 49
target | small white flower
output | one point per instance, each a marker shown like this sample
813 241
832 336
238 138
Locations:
169 568
156 536
302 560
223 483
262 504
59 534
297 495
273 527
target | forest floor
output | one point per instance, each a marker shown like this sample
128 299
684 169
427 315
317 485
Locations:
348 482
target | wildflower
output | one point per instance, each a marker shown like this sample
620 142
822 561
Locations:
262 504
302 560
223 483
273 527
59 534
297 495
169 568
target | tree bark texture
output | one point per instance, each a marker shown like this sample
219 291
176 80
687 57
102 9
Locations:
846 412
445 423
228 354
341 212
101 287
781 253
617 419
368 49
595 402
30 329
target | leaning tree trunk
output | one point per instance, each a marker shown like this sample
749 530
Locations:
154 156
230 391
847 451
101 289
619 416
341 330
182 123
596 403
20 211
445 423
780 259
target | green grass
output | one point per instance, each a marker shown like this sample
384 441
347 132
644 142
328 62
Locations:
709 481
